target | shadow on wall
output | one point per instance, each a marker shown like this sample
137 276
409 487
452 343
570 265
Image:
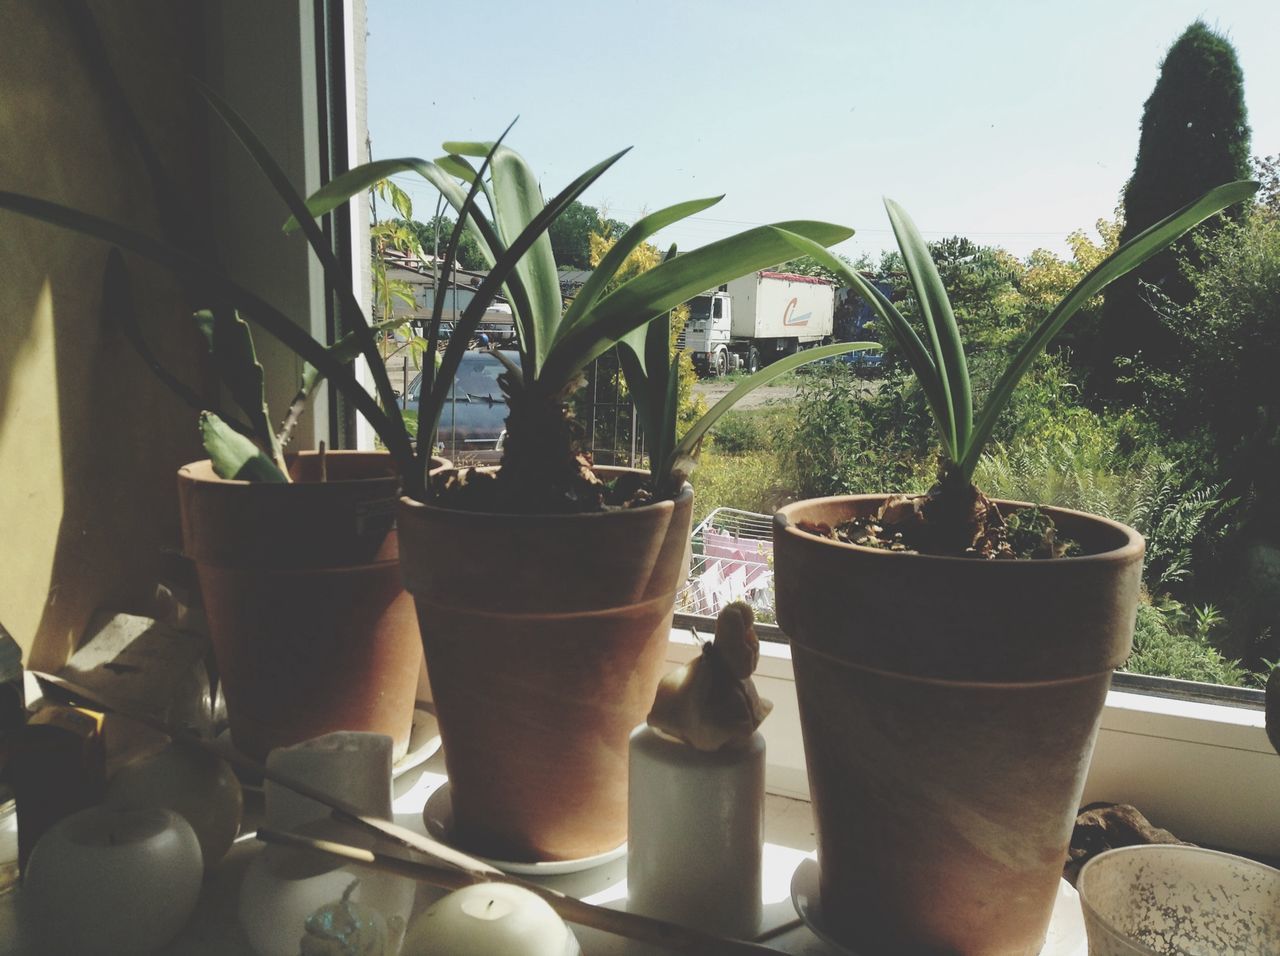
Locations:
89 440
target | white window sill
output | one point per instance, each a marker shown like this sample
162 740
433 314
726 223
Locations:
1204 771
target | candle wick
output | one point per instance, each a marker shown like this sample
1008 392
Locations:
489 905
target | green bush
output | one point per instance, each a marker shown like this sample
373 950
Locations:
751 481
844 441
748 430
1170 641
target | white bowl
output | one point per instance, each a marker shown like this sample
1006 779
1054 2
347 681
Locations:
1179 901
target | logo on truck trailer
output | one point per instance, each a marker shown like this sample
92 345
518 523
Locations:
789 319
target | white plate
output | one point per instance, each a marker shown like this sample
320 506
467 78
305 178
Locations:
437 815
1066 935
424 741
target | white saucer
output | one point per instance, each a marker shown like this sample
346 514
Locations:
424 741
437 815
1066 935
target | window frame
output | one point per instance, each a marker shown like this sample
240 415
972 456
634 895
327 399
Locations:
1164 745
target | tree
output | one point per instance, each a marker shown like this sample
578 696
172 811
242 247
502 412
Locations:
571 234
434 235
1194 136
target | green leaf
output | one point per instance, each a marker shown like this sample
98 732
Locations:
1128 257
662 288
234 456
613 260
236 363
397 438
448 365
689 443
504 267
198 271
517 200
903 334
940 323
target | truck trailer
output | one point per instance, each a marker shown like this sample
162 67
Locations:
757 319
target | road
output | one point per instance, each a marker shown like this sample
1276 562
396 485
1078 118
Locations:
713 390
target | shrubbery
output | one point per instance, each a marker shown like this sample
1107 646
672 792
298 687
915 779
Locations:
1192 462
1172 641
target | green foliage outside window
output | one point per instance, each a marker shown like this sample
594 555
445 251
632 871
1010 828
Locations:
1195 134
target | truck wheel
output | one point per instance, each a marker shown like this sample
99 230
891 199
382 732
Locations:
753 360
722 364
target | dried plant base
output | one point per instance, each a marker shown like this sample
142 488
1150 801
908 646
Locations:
483 490
968 525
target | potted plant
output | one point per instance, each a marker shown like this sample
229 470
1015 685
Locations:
546 585
546 625
952 655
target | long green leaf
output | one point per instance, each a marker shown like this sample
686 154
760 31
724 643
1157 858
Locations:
429 412
236 362
685 449
196 270
448 366
458 167
903 334
518 201
940 324
652 376
516 292
637 234
361 178
398 442
233 455
662 288
1128 257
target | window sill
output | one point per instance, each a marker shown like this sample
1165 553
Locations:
1205 771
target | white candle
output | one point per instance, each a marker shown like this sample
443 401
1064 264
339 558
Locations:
490 918
198 785
696 833
106 881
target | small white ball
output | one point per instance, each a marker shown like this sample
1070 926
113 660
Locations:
107 881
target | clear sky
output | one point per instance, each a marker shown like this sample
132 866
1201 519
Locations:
1013 123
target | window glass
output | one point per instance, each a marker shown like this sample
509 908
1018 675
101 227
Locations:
1155 406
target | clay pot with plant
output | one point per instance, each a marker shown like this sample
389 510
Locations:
545 627
953 653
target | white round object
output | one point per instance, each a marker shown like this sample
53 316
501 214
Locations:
1165 898
198 785
107 881
490 918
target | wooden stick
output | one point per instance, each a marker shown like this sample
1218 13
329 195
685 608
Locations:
677 939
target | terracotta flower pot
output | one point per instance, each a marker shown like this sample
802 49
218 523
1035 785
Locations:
949 709
545 637
311 627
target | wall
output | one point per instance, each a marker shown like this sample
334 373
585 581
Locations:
89 440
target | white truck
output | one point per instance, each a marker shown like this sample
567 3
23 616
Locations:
754 320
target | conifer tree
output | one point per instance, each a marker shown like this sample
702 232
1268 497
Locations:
1195 136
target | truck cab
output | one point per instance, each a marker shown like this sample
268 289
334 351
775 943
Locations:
707 333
